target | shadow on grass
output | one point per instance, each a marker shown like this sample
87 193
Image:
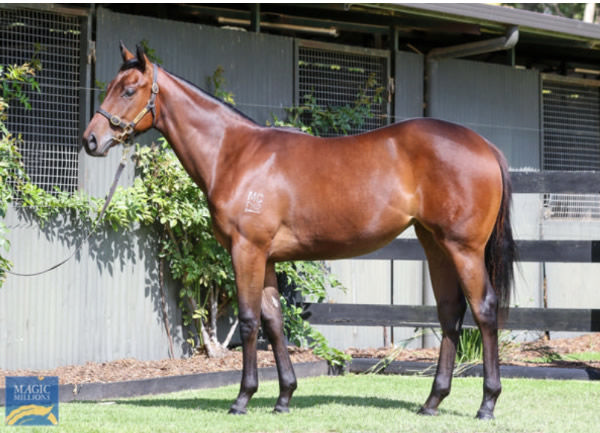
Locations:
267 403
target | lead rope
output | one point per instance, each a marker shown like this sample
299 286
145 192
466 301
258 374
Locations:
96 223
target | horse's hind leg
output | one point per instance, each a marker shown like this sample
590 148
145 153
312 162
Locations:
482 298
272 320
451 308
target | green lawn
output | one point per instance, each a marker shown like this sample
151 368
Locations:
346 404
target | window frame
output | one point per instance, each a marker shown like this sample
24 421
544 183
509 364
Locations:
79 86
568 207
349 50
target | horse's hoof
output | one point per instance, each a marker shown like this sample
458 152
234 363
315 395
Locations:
281 409
485 415
427 411
236 411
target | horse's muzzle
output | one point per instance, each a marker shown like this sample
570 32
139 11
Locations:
93 148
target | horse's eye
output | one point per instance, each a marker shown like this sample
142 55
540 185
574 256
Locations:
129 92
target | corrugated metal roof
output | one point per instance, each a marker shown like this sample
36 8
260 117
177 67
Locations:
527 21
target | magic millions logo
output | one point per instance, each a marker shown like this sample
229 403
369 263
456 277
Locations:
32 400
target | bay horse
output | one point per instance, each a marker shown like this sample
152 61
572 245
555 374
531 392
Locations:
277 194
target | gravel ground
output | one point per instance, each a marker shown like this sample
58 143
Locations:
510 353
130 369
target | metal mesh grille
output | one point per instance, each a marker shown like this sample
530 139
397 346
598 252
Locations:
335 78
571 127
571 142
50 130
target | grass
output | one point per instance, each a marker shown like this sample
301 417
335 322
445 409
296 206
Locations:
353 403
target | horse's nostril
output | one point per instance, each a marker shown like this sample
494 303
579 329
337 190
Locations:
92 144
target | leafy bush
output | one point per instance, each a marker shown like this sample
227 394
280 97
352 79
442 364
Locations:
315 119
470 345
13 80
179 209
470 348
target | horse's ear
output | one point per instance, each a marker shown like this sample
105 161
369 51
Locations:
141 56
125 53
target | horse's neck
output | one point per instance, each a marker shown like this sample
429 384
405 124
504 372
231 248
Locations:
196 127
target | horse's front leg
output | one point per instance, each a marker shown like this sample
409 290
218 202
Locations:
249 266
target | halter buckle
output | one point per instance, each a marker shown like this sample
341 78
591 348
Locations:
115 120
125 136
155 88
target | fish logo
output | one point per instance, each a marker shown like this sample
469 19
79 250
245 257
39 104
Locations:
32 414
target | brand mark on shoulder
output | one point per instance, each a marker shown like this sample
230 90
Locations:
254 202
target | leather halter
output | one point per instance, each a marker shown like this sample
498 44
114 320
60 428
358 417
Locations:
129 128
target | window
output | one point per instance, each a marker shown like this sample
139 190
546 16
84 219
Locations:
334 75
571 125
50 130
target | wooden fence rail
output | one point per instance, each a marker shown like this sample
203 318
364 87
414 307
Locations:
555 319
557 182
528 251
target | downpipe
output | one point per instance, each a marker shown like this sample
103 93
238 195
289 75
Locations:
505 42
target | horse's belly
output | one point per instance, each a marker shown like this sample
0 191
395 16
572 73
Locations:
335 241
340 217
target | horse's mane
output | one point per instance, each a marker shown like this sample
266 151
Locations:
135 63
214 98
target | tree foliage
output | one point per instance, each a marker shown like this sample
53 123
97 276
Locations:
566 10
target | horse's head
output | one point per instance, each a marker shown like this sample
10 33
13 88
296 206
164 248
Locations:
129 105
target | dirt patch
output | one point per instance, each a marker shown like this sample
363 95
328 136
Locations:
131 369
552 351
528 354
422 355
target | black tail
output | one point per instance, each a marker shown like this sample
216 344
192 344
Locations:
500 251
